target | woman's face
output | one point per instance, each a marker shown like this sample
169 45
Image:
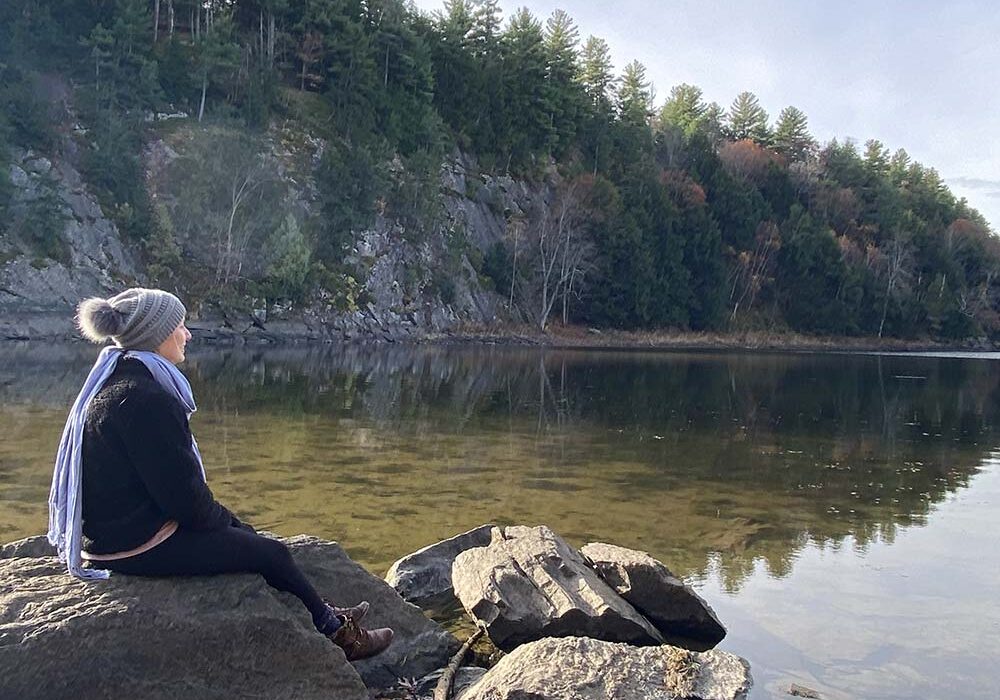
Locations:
173 347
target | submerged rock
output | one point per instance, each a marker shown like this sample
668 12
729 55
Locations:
465 677
679 613
199 637
426 573
577 668
528 584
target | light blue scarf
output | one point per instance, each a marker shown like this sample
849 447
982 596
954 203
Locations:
65 498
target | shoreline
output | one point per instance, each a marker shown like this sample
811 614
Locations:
49 328
578 337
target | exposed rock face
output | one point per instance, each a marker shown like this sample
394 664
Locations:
578 668
679 613
37 296
427 572
528 584
199 637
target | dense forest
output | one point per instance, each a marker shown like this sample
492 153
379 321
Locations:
681 214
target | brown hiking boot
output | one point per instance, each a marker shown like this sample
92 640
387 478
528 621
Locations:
356 613
359 643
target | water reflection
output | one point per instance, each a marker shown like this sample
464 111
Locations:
707 460
849 500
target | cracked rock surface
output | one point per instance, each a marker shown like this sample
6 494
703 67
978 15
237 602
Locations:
528 583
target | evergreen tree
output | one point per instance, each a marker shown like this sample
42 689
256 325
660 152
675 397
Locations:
876 157
487 24
597 81
635 95
562 68
684 109
215 54
527 109
811 274
747 120
791 135
597 72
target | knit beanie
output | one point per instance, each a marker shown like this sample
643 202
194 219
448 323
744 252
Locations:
136 319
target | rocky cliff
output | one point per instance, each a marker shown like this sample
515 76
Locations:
399 292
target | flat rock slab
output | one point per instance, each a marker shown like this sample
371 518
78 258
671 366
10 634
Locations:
577 668
426 573
680 614
205 638
200 637
529 583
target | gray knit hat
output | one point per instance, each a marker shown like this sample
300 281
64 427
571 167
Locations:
136 319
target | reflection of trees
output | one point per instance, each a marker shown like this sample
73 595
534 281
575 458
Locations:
751 456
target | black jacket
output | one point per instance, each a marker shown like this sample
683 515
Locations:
139 469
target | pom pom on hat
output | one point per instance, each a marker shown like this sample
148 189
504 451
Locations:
98 320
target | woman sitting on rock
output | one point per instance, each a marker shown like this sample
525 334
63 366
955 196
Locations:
129 492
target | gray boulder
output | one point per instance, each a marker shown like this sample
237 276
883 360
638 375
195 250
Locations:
578 668
199 637
37 546
528 584
680 614
205 638
427 572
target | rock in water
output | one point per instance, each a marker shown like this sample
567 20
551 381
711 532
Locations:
199 637
427 572
528 584
577 668
219 637
465 677
679 613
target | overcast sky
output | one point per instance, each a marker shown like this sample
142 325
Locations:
917 75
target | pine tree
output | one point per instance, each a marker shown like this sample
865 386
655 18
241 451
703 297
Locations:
596 72
876 157
684 109
747 120
484 35
635 95
527 111
791 135
562 68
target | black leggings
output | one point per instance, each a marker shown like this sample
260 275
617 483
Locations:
230 550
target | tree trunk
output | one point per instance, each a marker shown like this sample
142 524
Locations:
204 89
513 272
170 16
302 84
270 38
156 20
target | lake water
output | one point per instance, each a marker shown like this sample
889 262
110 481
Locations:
839 512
